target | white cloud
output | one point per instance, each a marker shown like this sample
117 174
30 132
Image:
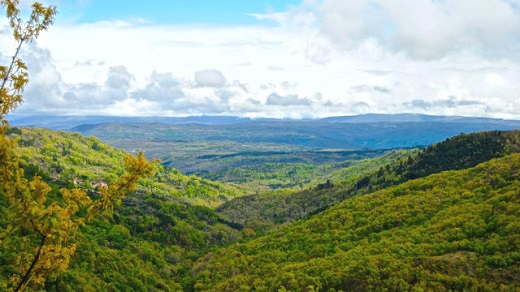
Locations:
119 78
287 100
210 78
424 28
322 58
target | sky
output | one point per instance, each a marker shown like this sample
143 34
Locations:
274 58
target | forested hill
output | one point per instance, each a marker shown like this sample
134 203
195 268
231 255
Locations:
459 228
68 122
262 211
149 242
72 160
453 231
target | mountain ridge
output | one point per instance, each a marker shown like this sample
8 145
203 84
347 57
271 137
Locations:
68 122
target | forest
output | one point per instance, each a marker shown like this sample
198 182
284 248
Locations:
372 226
305 208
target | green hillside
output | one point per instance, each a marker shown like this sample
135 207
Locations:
264 210
149 242
70 159
453 231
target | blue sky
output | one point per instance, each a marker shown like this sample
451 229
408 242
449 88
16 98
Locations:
282 59
227 12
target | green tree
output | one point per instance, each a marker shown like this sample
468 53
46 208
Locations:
38 228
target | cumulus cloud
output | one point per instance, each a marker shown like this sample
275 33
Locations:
321 58
119 78
43 76
162 88
210 78
424 28
287 100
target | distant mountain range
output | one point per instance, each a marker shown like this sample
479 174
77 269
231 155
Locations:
405 118
68 122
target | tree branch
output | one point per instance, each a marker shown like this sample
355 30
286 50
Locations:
8 73
27 276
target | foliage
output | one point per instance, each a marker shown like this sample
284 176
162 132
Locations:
264 170
457 230
264 210
65 158
38 227
157 235
14 77
150 240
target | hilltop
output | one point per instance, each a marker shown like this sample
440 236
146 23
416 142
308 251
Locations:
68 122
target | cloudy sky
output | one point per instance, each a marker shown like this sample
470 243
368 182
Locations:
275 58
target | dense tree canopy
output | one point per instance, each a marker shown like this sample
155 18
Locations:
457 230
265 210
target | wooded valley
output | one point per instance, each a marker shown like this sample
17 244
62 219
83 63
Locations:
443 217
351 203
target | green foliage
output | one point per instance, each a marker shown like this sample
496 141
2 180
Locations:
264 210
460 152
71 160
156 238
150 240
38 231
39 224
457 230
272 170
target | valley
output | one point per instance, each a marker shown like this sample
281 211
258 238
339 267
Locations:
271 146
316 215
270 153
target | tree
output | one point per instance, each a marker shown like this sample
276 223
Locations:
14 77
38 230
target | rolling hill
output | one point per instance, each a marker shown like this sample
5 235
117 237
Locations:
149 241
235 150
264 210
453 231
407 220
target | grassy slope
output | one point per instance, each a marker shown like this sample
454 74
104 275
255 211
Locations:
451 231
